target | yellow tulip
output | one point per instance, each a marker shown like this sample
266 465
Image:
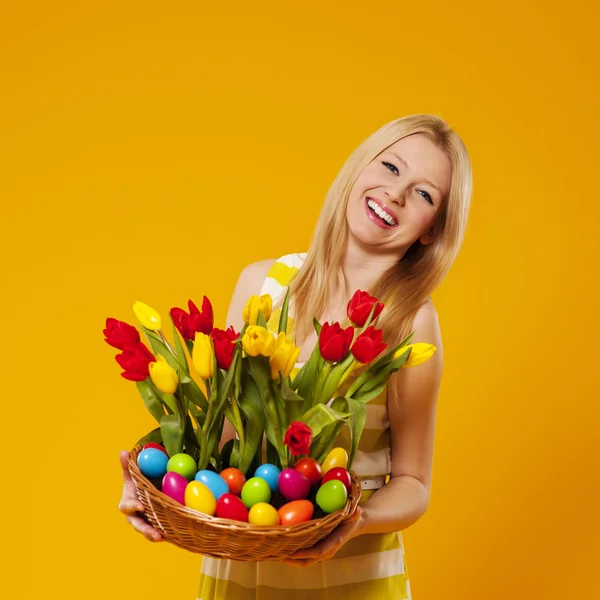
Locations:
254 304
163 375
203 356
258 340
420 352
147 316
284 357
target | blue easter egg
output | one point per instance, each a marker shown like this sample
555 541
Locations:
270 473
152 462
214 482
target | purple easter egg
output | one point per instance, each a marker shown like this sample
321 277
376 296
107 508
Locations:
173 485
293 485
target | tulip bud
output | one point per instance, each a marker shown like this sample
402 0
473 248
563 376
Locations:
147 316
203 356
368 345
258 341
264 304
419 353
164 375
284 357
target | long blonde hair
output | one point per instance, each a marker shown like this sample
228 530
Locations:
408 284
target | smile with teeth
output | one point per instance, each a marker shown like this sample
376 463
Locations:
389 220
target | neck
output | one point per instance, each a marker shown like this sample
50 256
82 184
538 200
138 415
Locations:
362 267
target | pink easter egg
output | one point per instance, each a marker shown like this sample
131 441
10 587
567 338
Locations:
173 485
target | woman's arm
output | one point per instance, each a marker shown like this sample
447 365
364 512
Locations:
412 404
412 399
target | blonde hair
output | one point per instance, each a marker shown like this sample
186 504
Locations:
408 284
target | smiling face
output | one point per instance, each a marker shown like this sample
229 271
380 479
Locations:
398 196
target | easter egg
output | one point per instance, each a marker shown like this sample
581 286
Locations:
270 473
200 498
173 485
293 485
231 507
183 464
338 457
298 511
215 483
152 462
263 514
339 474
255 490
155 446
235 480
310 468
332 496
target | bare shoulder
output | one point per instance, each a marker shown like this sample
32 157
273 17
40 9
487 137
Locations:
248 284
427 325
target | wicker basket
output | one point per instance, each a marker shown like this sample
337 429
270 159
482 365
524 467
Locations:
223 538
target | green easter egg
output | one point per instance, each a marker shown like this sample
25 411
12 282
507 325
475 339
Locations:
183 464
332 496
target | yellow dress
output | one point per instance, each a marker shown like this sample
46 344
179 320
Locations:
368 566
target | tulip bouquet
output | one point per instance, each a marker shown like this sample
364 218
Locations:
205 375
246 378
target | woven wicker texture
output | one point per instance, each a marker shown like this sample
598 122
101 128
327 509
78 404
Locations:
222 538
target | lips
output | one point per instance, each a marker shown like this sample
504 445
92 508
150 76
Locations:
380 213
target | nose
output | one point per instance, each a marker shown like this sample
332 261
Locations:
397 194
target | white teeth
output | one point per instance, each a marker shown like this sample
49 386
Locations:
381 213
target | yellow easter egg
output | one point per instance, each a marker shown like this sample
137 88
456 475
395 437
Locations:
338 457
263 514
200 498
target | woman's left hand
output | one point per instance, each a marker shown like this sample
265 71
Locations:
326 549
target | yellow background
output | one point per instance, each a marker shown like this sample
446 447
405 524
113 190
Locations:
151 151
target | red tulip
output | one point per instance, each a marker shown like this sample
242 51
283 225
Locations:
368 345
195 321
224 343
334 342
120 334
298 438
134 360
360 307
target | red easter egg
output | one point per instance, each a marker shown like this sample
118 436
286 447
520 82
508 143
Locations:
339 474
235 480
298 511
231 507
310 468
155 446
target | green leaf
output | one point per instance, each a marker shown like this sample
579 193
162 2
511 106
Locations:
380 379
172 434
333 380
193 392
320 416
283 317
260 320
294 403
325 441
368 396
181 357
158 347
317 326
151 398
358 417
153 436
226 452
273 455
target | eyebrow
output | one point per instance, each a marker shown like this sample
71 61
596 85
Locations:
402 161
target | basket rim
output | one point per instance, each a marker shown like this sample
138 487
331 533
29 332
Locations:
248 528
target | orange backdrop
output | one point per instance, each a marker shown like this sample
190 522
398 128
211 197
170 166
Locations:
150 152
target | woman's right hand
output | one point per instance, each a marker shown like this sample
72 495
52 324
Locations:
130 506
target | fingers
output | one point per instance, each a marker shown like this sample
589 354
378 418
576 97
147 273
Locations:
146 530
124 458
130 506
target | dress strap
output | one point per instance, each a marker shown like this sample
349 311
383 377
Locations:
281 274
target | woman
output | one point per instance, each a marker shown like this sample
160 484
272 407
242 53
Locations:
392 223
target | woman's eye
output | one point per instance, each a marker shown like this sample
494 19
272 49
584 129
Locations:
426 196
392 167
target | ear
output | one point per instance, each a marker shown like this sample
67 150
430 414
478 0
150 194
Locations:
429 236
